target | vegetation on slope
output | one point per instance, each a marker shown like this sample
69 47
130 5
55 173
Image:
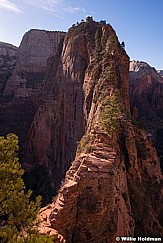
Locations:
17 212
110 115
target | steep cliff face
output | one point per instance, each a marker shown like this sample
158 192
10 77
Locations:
61 121
8 58
36 47
106 190
77 109
21 94
146 89
146 94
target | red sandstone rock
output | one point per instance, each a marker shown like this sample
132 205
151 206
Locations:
146 90
113 187
106 190
21 95
146 96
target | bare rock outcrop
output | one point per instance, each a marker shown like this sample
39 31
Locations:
61 121
106 190
103 198
76 113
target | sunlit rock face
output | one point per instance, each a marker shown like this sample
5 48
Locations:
106 190
21 79
22 87
35 48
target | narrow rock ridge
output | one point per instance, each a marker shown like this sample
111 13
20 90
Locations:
101 198
61 121
113 187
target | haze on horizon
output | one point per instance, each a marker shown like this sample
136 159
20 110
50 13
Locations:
137 23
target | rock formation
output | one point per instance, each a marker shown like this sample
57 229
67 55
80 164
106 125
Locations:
8 57
22 85
36 47
146 95
113 187
146 83
21 88
72 115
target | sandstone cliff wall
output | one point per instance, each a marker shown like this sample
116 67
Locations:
146 90
77 113
21 90
36 47
106 190
61 121
146 96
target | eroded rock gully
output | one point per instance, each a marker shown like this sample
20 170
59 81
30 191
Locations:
113 187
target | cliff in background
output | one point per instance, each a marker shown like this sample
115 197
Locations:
8 57
113 187
22 86
67 98
146 83
146 96
35 48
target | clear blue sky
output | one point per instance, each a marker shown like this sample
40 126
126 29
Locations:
138 23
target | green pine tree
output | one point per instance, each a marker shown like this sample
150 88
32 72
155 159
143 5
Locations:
111 45
17 213
110 115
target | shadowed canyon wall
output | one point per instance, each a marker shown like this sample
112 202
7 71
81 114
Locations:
21 90
8 58
146 86
146 98
21 93
73 117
